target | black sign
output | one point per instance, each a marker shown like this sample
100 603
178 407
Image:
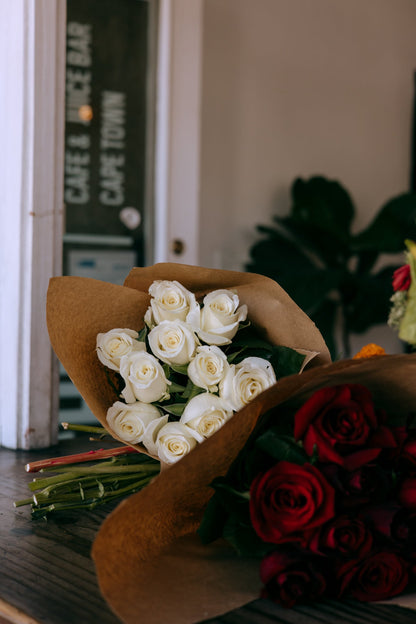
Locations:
105 127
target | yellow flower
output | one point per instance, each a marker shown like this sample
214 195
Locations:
368 351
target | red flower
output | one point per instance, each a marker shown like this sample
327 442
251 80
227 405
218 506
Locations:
341 423
287 499
402 278
407 493
343 536
290 580
376 577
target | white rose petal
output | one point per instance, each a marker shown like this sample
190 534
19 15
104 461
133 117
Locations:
220 317
246 380
174 441
172 302
173 342
129 422
144 377
150 435
206 413
208 368
116 343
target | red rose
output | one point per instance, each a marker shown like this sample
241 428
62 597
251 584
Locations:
407 493
402 278
289 498
403 529
376 577
290 580
343 536
340 422
368 484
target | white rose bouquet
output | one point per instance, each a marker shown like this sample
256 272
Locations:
190 368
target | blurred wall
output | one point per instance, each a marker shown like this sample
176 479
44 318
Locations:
300 87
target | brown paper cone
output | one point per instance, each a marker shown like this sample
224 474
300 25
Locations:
150 565
80 308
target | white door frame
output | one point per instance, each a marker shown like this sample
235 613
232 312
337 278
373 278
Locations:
32 73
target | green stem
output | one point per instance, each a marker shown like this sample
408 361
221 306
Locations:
84 428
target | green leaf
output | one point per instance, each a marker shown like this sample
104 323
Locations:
213 521
176 409
281 447
286 361
182 369
191 391
395 222
143 334
324 204
175 388
244 539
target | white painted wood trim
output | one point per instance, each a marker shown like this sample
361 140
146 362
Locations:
32 74
177 152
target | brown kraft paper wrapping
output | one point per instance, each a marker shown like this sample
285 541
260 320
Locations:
150 564
145 574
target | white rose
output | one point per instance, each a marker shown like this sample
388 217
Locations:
129 422
150 435
220 317
206 413
144 377
246 380
173 342
208 367
170 302
174 440
116 343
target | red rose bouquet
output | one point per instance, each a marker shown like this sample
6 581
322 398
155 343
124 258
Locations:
326 494
312 484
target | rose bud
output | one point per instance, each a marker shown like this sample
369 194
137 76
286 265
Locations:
344 537
376 577
340 422
289 499
221 315
402 278
290 580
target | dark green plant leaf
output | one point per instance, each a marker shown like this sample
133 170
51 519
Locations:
324 318
286 361
213 521
244 539
392 225
371 302
281 447
143 334
176 409
191 391
182 369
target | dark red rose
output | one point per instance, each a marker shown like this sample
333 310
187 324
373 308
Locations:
288 499
369 484
380 518
407 493
402 278
342 536
290 580
378 576
403 529
340 422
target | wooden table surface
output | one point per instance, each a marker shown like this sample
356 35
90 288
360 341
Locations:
47 575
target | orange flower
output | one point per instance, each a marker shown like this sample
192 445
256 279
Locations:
368 351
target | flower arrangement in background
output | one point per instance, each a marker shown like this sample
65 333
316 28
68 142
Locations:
325 493
402 316
188 371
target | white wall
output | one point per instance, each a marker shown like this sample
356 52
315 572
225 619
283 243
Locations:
300 87
297 88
